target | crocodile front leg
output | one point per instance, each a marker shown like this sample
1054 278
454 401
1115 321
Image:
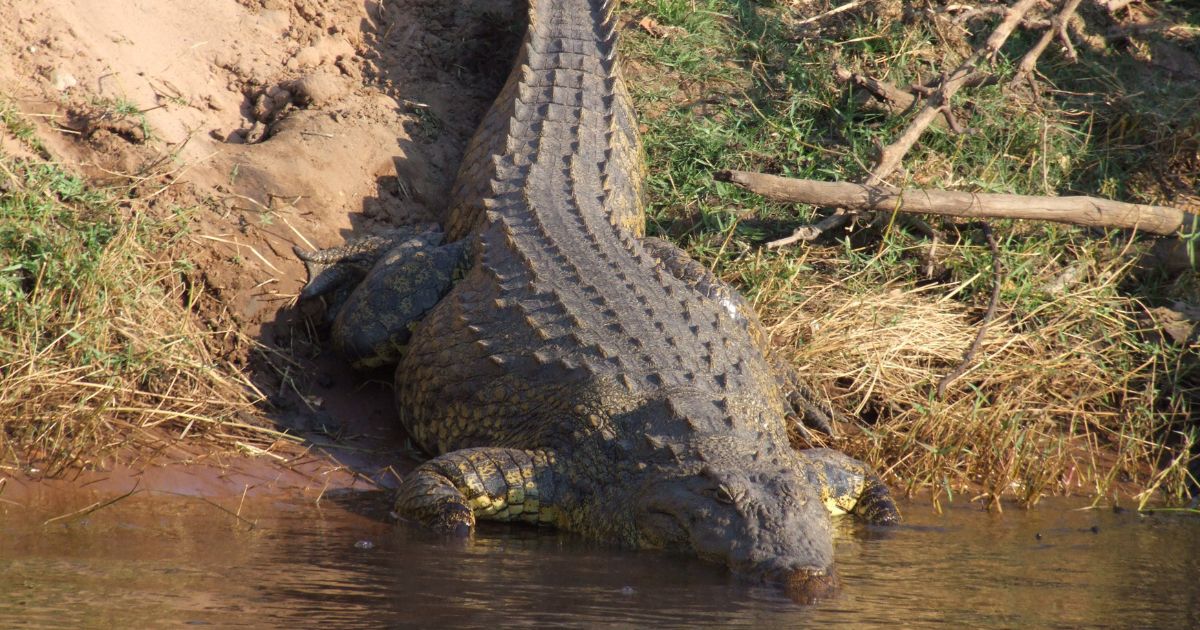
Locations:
847 485
338 270
450 492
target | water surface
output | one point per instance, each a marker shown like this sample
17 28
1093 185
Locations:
168 561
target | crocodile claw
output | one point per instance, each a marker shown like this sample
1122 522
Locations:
811 416
323 277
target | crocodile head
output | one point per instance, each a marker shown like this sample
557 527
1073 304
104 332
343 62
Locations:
759 516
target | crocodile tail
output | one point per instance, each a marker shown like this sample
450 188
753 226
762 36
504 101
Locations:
567 44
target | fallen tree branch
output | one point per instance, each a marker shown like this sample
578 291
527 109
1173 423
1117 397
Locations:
890 156
1075 210
897 101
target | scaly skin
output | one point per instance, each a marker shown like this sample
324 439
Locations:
578 375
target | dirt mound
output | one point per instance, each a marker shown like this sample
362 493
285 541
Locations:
283 123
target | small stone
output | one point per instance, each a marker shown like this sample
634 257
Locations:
319 89
306 58
63 80
364 544
224 59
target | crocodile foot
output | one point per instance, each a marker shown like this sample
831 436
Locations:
809 414
452 519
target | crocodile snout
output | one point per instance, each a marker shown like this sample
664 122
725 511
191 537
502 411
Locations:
805 585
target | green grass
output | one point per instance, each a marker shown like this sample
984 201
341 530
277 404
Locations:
99 352
1072 386
20 128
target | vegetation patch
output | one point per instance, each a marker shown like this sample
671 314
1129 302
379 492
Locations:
100 353
1086 380
1076 387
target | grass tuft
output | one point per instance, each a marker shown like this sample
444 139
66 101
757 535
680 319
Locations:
99 351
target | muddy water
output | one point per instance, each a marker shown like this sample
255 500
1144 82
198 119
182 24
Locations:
169 561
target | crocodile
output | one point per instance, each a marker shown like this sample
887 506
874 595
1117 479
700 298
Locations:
562 368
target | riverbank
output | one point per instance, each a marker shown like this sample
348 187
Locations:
159 165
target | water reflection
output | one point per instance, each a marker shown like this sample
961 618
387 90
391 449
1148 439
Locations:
162 561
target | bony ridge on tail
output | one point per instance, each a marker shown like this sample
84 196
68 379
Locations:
566 371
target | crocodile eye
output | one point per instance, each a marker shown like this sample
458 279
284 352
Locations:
721 494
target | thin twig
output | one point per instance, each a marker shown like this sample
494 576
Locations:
833 11
997 281
238 247
99 505
245 491
249 523
206 420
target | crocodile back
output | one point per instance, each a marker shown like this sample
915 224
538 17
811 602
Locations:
565 326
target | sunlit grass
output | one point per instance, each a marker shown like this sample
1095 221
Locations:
100 354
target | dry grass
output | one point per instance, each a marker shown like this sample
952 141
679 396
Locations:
1073 389
1056 406
100 353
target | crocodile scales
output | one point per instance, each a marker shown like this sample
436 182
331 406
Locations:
565 370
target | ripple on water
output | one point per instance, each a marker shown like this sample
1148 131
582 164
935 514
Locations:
153 562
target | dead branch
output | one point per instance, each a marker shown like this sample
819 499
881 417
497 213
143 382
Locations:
1074 210
977 79
895 100
1058 28
891 155
969 14
890 158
